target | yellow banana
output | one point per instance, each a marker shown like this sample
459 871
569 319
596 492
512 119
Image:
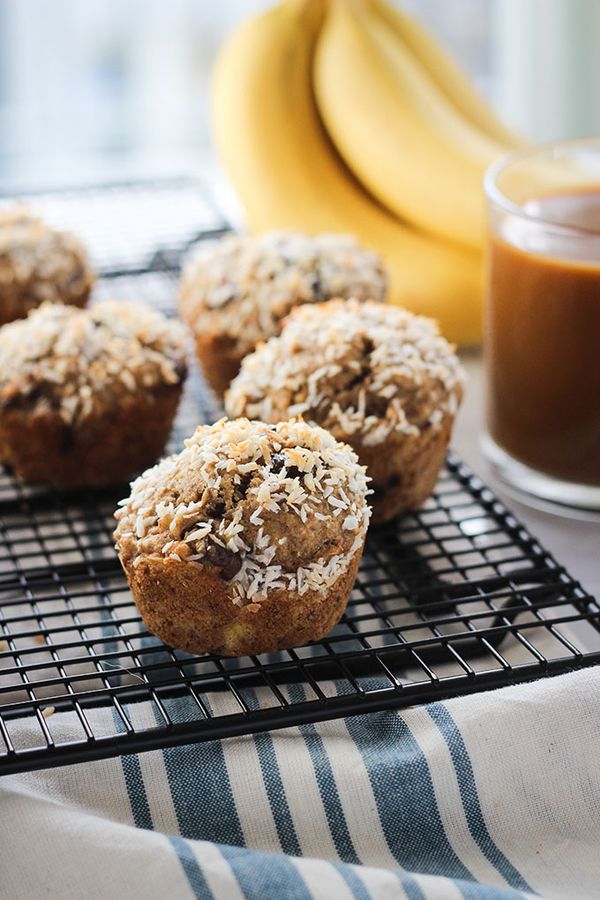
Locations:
384 136
429 102
288 175
446 74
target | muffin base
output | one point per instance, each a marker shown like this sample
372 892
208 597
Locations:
104 449
404 470
220 360
189 607
16 303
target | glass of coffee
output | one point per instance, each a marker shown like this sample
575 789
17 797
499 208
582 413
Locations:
542 321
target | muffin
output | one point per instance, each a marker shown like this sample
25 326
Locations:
248 541
37 264
87 397
375 376
236 292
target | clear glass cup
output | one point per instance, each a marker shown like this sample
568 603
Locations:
542 322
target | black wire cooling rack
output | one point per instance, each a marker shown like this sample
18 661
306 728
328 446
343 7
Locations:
453 599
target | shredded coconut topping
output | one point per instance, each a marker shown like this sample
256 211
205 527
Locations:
238 498
38 263
243 286
363 369
76 361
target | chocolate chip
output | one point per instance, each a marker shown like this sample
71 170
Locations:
317 287
368 345
376 406
278 462
241 489
67 439
181 370
215 509
13 402
36 392
358 378
229 563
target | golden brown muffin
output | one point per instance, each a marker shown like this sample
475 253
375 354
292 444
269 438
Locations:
38 264
236 292
248 541
376 376
88 397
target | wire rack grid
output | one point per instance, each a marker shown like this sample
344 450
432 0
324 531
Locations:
452 599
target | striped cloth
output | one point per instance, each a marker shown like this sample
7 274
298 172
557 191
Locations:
495 795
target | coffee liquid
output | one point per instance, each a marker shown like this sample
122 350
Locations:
543 341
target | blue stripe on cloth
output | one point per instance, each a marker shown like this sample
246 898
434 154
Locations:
132 772
470 798
136 790
262 875
190 866
410 886
134 782
274 786
201 790
326 784
472 891
359 891
404 794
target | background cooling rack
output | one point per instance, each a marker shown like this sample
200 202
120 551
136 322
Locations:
453 599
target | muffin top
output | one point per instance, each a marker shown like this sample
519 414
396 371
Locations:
38 263
265 507
243 286
81 361
358 369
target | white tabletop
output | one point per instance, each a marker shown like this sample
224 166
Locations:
575 544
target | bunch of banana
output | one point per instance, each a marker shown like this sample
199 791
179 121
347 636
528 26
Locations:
343 115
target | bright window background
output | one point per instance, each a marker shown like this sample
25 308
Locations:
97 89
